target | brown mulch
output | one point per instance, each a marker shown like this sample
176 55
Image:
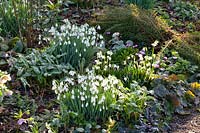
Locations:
186 124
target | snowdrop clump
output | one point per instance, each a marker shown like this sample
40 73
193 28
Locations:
90 95
74 44
103 61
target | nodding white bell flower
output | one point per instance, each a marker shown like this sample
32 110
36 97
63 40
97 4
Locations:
155 43
52 30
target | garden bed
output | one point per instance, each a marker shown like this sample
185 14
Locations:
133 68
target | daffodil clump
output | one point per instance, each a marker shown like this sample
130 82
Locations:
4 91
74 44
195 85
90 96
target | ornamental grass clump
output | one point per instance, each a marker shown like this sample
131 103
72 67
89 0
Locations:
132 23
88 96
74 44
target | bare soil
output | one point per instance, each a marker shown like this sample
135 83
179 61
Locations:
186 124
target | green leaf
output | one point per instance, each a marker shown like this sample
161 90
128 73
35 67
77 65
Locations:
36 69
161 91
81 130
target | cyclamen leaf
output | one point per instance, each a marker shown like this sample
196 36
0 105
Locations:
161 91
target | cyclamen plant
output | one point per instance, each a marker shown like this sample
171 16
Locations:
74 44
90 95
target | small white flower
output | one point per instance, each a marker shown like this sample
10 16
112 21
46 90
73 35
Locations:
109 53
98 27
116 34
52 30
155 43
86 104
82 98
72 73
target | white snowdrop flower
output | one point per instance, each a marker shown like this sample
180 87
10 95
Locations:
64 96
79 54
97 62
140 57
82 98
66 21
100 37
96 83
68 42
80 79
113 95
109 53
155 43
102 44
65 88
84 50
100 78
109 58
61 83
104 82
92 99
148 58
58 97
125 79
98 27
101 100
54 88
76 50
62 28
86 104
72 97
40 37
69 80
72 92
84 88
52 30
105 68
97 67
116 34
72 73
54 83
103 57
81 34
65 43
99 54
93 42
74 44
109 65
56 91
116 66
